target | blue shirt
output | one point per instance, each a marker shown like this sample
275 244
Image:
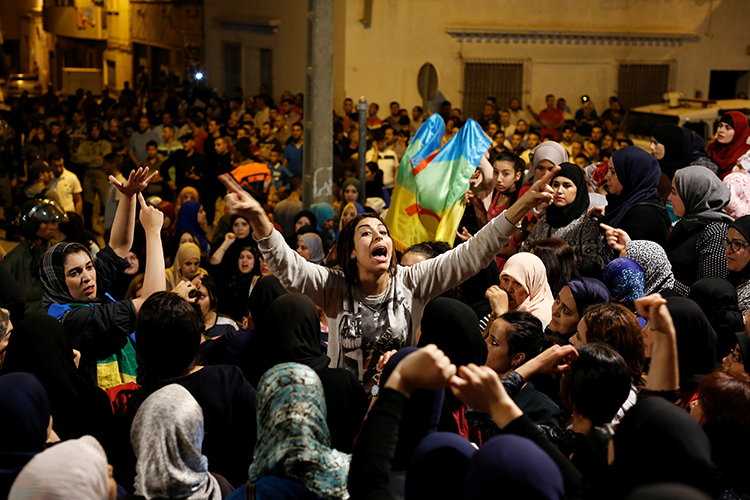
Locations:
280 175
138 142
293 157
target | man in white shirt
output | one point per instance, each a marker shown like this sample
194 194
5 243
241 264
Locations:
67 185
263 113
505 125
385 156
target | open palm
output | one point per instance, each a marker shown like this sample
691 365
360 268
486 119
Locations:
137 181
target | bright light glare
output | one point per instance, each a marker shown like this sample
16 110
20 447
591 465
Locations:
199 76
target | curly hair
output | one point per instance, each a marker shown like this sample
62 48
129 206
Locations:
616 326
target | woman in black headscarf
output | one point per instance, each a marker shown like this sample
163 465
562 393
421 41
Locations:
453 327
39 346
633 204
676 147
293 335
566 219
24 418
657 442
301 220
515 466
696 344
717 299
737 253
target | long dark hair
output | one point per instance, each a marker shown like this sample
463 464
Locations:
518 166
560 261
346 247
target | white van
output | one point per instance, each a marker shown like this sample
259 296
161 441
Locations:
700 117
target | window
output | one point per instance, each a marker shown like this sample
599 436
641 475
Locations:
642 83
111 74
501 79
232 67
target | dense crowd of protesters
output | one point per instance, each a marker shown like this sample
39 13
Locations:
175 324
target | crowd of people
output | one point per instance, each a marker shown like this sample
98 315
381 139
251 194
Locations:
174 323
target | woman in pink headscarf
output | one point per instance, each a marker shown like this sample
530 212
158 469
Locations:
739 187
523 287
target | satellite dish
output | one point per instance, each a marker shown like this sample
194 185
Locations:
427 82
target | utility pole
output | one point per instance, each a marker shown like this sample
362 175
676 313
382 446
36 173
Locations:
318 143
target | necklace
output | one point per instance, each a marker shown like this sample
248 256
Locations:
379 307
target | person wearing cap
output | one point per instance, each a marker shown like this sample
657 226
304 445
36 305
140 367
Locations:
189 165
40 176
38 221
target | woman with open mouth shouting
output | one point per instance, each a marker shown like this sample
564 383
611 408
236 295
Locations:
373 305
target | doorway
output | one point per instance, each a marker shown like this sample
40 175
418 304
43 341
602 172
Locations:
728 84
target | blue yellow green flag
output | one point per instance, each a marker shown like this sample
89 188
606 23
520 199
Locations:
428 196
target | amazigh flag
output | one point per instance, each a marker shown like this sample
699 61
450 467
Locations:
428 196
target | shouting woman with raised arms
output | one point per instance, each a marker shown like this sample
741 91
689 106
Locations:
372 304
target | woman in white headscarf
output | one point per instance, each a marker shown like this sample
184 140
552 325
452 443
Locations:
76 468
167 436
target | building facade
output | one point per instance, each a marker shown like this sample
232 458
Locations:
123 38
632 49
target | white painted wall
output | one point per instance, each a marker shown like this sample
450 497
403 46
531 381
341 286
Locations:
119 49
382 62
288 45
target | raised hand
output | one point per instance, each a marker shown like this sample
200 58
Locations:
596 211
186 290
540 194
151 218
229 238
464 234
480 387
136 182
653 308
238 200
197 280
426 368
471 199
241 203
616 238
555 359
498 299
384 358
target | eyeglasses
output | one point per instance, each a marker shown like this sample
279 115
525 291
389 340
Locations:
736 246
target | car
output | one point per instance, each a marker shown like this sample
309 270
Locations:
702 117
23 82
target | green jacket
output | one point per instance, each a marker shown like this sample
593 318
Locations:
89 150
